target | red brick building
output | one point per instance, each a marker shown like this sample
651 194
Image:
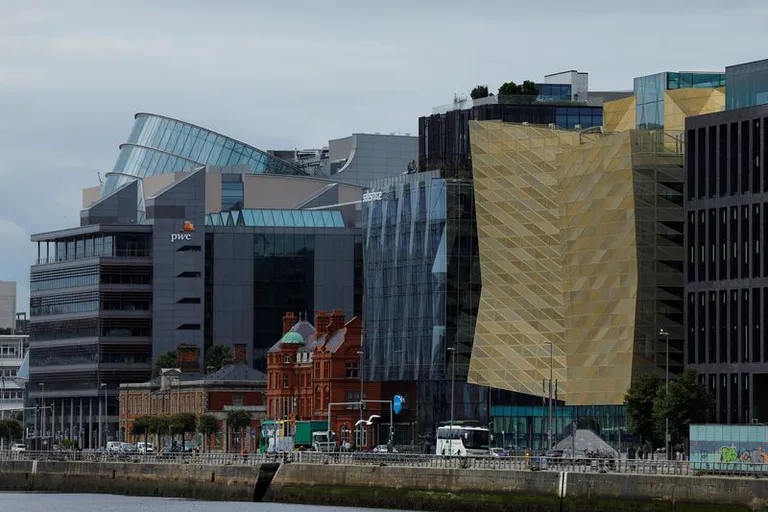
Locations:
314 365
236 386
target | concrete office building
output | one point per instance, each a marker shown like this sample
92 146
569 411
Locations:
194 238
357 159
726 243
13 349
8 306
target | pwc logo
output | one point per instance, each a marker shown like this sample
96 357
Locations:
185 234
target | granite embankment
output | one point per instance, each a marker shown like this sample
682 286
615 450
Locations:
435 489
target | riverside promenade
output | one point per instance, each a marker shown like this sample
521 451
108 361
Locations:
392 481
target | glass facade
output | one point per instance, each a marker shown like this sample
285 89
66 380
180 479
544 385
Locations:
232 192
283 280
526 427
444 138
554 92
649 93
747 85
277 218
159 145
422 276
94 246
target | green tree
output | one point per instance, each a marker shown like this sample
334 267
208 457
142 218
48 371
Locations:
11 429
687 403
140 427
237 420
182 423
525 93
158 426
639 401
480 91
167 360
207 425
217 357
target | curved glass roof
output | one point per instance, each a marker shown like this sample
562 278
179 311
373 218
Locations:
277 218
161 145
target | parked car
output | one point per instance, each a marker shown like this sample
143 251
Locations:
143 447
499 452
382 448
18 447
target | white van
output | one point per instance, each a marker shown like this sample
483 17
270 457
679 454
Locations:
143 447
114 446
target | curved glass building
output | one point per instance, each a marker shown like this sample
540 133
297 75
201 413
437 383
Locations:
161 145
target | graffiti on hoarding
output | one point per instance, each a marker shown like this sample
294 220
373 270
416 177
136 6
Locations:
729 454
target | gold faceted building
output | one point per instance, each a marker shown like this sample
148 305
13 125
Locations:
580 236
580 239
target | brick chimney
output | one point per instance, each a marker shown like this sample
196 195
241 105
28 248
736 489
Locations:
188 358
337 321
322 319
289 320
240 353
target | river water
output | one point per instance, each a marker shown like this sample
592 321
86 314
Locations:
43 502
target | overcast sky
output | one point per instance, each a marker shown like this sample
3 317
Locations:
294 73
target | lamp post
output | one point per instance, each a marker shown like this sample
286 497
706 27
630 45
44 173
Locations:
551 353
361 353
664 334
42 409
103 386
453 376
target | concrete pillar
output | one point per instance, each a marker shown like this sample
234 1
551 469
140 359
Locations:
72 434
90 424
53 418
61 421
101 428
80 428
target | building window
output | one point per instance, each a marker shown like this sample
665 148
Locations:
285 381
287 359
237 400
352 370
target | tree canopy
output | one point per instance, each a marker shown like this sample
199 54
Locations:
158 425
11 429
527 88
180 424
688 402
639 401
140 426
217 357
480 91
238 419
167 360
208 424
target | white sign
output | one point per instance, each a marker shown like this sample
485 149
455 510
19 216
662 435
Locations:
372 196
181 237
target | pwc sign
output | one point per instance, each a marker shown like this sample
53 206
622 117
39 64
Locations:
185 234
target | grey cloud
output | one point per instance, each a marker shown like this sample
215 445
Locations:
296 73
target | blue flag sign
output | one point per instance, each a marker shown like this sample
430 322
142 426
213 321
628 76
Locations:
397 403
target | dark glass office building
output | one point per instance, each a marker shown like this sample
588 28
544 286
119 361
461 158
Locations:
422 276
726 308
747 85
174 250
444 137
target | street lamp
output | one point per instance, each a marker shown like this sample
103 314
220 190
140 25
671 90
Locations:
103 386
453 377
42 409
361 353
663 333
551 353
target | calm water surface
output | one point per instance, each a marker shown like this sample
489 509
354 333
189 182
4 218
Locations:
42 502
